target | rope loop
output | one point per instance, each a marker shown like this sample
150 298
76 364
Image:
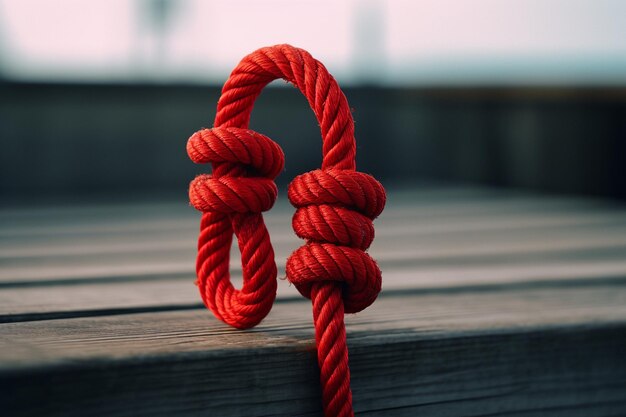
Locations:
232 201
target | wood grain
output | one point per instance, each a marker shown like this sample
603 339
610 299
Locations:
96 298
478 353
493 303
123 243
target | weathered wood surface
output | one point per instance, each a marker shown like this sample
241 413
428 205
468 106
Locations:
493 303
524 352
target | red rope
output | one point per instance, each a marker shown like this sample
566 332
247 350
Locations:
335 208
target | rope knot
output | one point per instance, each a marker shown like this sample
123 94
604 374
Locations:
249 163
335 210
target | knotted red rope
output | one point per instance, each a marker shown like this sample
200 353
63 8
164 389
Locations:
335 209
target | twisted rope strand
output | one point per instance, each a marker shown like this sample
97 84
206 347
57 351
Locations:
335 207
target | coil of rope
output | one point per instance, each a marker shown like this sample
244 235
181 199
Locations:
335 207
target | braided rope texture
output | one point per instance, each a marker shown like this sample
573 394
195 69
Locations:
335 208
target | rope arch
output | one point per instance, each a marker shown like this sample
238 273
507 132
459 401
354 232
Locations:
335 209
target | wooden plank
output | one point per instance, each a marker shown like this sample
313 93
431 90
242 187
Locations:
438 248
118 237
148 240
171 216
122 244
524 352
142 216
97 298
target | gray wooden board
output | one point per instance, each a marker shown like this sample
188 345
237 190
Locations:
88 298
181 242
58 222
527 351
183 238
493 303
91 242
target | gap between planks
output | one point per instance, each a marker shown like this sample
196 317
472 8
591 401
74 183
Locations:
89 299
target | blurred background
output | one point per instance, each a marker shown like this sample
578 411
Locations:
99 97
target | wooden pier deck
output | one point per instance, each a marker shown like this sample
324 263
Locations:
494 303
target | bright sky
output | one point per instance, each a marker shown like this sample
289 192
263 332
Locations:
390 42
